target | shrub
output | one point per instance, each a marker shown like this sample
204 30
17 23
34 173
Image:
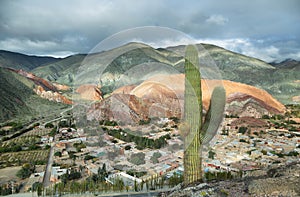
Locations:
137 158
243 130
57 154
88 157
49 125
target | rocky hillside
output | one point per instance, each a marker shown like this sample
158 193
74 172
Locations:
89 92
25 95
281 180
163 96
136 62
18 99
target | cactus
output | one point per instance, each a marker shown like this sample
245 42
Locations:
196 131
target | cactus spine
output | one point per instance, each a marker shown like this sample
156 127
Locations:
196 131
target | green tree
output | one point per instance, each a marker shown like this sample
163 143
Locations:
57 154
26 170
137 158
211 154
102 173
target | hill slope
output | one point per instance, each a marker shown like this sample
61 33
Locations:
163 96
61 71
18 100
135 62
20 61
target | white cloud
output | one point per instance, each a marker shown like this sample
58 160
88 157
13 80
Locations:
247 47
45 48
13 44
217 19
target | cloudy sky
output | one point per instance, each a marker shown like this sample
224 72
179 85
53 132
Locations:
266 29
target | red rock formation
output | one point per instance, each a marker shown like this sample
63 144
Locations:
51 96
61 87
163 96
89 92
44 88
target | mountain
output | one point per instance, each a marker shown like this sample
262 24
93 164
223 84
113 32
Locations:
20 61
61 71
18 98
163 96
286 78
135 62
116 67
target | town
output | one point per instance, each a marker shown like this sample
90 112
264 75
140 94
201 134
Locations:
58 157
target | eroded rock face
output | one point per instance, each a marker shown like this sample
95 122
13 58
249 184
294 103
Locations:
89 92
52 96
163 96
296 99
46 89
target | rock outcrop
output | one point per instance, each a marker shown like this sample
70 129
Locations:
278 181
46 89
51 95
89 92
163 96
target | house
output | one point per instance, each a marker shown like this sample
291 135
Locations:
35 177
127 179
56 172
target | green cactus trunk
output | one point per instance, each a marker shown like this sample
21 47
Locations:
196 131
192 117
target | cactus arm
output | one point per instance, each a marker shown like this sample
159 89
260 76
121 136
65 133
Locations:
214 116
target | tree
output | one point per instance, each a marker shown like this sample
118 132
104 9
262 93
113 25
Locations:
155 157
211 154
137 158
57 154
127 147
243 130
26 171
102 173
49 125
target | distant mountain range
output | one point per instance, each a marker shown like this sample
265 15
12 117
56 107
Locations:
21 61
122 65
129 66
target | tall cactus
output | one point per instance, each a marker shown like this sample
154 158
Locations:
195 131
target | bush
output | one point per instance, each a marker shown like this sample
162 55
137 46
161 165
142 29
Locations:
25 171
293 153
57 154
155 157
243 130
144 122
127 147
49 125
265 116
89 157
264 152
137 158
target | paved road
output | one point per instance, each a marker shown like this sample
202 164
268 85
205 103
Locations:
46 181
62 116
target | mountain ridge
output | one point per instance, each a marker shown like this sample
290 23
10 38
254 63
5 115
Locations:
21 61
134 62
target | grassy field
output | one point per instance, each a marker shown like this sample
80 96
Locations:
18 158
7 174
